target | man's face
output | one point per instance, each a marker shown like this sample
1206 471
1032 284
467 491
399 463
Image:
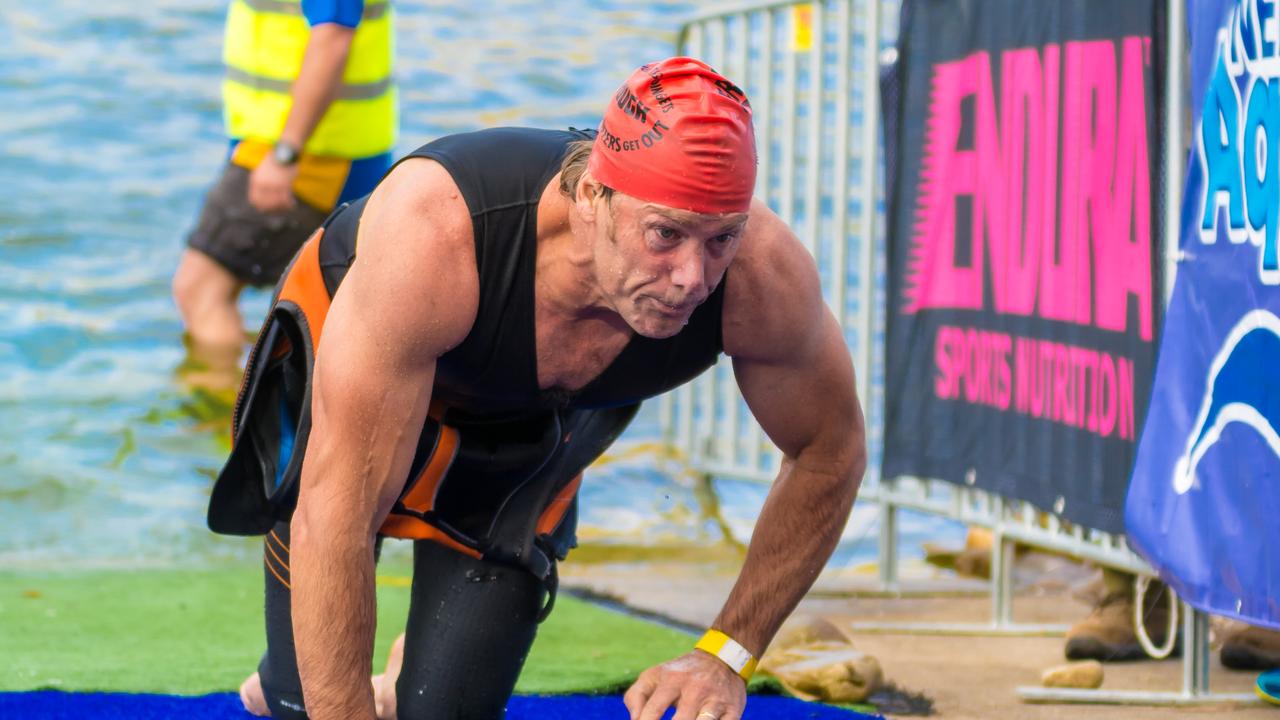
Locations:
656 264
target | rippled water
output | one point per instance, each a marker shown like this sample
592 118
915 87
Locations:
110 131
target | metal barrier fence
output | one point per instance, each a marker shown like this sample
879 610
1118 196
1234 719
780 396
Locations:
811 70
812 76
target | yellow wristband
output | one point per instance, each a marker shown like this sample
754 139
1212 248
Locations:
729 652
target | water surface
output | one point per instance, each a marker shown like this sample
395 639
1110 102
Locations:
110 132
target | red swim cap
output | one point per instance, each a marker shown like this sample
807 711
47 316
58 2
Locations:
678 134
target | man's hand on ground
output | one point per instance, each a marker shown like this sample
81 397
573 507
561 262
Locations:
271 185
699 686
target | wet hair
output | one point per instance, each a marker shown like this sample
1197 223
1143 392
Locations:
572 167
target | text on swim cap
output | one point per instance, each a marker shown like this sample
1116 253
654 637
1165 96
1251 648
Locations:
631 105
655 87
617 144
732 92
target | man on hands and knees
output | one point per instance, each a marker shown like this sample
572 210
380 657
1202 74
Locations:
445 357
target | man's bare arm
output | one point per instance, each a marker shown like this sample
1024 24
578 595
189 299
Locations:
794 370
410 295
323 62
810 411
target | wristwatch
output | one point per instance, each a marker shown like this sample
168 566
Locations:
284 153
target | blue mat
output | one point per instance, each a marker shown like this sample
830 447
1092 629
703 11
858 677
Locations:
52 705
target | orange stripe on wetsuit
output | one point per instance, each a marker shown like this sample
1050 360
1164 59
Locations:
304 287
421 498
300 288
555 511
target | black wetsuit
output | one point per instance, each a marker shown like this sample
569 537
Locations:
472 621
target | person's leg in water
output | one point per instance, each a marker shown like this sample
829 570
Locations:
206 295
234 244
471 624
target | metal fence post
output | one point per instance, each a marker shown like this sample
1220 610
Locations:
888 547
1175 153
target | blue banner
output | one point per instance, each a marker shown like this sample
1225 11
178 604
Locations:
1204 503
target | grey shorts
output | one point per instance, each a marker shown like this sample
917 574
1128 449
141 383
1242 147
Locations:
254 246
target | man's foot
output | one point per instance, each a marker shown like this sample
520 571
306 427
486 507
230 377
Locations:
1251 648
384 685
1107 635
251 695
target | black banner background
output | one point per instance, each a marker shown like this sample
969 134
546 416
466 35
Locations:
963 370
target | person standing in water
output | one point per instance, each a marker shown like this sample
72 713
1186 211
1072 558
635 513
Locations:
311 112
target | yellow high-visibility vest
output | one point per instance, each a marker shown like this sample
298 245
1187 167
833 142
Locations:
263 51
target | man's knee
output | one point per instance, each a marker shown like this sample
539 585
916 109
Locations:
424 706
414 706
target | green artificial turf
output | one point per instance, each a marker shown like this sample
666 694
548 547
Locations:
199 631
